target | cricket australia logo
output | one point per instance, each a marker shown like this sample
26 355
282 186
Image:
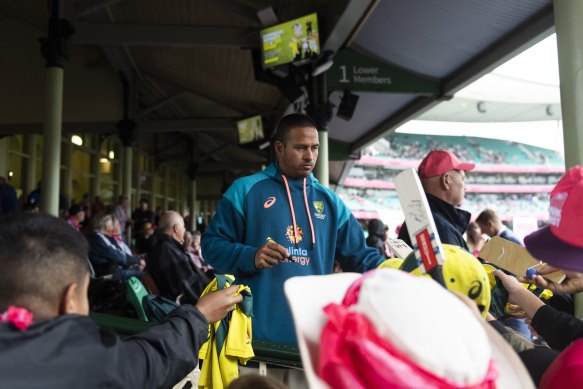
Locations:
319 207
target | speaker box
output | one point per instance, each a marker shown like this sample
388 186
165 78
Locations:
347 105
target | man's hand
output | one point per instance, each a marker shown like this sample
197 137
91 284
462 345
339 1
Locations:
572 284
269 255
141 264
215 305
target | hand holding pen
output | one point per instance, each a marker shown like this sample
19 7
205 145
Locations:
270 254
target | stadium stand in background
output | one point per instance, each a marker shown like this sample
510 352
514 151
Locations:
513 178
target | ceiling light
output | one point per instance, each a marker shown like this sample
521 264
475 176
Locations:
77 140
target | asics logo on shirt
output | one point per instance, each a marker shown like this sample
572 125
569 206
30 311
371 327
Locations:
269 202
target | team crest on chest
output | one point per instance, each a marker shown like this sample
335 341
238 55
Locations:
319 207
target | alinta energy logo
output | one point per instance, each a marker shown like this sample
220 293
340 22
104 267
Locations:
269 202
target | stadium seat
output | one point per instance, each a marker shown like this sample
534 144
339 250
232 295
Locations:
136 291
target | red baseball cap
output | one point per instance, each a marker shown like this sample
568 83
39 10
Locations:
561 243
438 162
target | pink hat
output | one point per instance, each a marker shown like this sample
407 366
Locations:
566 371
561 243
438 162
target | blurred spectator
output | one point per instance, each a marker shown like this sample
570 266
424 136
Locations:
377 235
31 208
142 215
168 262
144 239
116 235
98 206
105 255
76 216
474 239
192 246
119 212
8 200
490 224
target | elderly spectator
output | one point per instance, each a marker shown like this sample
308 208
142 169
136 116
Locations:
442 175
106 256
168 262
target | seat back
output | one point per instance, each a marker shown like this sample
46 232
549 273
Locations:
136 292
150 284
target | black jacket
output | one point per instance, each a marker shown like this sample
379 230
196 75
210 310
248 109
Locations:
451 223
71 351
558 329
104 253
169 264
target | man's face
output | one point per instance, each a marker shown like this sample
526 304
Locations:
457 190
298 153
144 206
108 228
179 230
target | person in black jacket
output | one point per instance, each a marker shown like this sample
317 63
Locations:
377 235
561 245
442 175
106 256
46 338
168 262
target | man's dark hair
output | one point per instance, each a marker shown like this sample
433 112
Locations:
290 122
486 216
40 256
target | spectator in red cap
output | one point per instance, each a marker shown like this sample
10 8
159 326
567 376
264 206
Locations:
442 175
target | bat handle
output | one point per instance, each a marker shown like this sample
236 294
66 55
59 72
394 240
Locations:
437 274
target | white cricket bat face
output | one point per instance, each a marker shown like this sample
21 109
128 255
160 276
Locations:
420 224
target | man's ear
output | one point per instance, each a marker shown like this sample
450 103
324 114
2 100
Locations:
445 181
70 301
278 147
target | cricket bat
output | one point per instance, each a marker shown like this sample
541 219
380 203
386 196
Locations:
514 258
399 247
420 224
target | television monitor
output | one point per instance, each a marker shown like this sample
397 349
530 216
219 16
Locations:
296 41
250 129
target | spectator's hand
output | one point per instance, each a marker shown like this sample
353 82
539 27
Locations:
142 264
269 255
215 305
519 295
572 284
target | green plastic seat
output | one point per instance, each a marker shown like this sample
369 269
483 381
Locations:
136 292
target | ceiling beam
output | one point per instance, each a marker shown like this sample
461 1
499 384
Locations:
239 8
79 9
186 125
116 34
229 166
233 107
349 22
143 126
160 104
